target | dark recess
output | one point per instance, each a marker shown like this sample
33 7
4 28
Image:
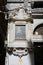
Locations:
38 4
38 53
3 32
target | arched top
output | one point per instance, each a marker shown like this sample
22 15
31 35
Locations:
39 29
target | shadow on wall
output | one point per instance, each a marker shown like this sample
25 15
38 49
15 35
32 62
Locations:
32 58
31 53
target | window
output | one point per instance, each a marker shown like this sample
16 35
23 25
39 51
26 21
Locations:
39 30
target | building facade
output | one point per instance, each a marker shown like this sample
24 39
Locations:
23 38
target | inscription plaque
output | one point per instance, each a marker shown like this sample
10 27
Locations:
20 32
